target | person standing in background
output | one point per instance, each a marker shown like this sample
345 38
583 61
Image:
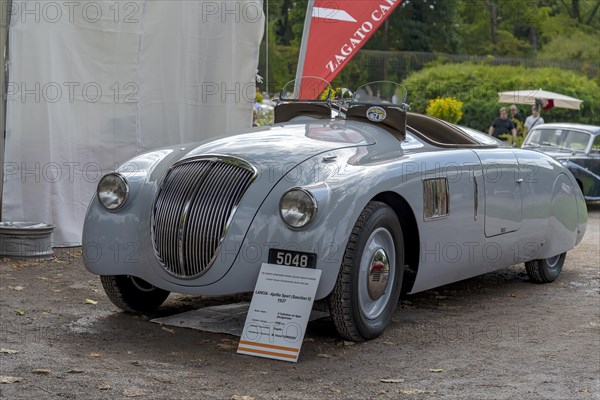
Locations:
533 120
502 126
518 119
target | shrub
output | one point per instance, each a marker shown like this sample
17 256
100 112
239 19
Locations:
446 108
265 118
510 139
477 86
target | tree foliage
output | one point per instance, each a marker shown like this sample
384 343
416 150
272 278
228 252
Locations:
420 25
477 86
516 28
536 29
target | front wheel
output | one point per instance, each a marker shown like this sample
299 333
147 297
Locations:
133 294
368 286
545 270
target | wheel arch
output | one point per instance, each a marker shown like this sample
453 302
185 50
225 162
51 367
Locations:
579 183
563 221
410 231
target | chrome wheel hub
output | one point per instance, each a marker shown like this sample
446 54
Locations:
552 261
377 273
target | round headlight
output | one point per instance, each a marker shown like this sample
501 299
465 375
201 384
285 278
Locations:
298 208
113 191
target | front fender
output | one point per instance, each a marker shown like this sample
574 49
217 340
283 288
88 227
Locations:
350 187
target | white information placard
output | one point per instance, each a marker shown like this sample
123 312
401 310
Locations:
279 312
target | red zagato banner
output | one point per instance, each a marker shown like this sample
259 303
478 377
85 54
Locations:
334 31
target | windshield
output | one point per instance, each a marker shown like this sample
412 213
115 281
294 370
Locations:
561 139
382 92
309 88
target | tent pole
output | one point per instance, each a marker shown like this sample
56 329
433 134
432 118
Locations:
4 26
304 46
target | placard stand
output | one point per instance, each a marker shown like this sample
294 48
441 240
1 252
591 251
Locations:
279 312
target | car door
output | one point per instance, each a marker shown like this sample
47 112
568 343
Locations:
502 190
592 164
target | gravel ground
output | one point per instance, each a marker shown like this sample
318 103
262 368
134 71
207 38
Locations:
496 336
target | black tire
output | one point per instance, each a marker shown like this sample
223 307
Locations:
356 314
133 295
546 270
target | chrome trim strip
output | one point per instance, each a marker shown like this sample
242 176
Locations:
475 197
222 158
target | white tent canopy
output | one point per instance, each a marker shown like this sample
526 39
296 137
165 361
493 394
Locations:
95 83
530 96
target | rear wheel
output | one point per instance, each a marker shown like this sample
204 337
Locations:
545 270
368 286
133 294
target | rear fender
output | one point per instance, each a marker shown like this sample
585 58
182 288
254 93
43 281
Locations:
563 229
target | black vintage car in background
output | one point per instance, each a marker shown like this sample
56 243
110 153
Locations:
576 146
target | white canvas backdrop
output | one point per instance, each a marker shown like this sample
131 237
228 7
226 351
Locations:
93 83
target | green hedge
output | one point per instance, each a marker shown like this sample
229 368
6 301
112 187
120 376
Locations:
477 86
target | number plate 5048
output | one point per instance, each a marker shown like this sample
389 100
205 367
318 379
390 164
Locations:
292 258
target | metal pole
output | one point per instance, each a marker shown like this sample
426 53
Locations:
304 46
267 48
5 24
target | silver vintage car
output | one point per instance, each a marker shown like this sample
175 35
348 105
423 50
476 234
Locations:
378 198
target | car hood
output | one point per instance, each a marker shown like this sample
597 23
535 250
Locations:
285 145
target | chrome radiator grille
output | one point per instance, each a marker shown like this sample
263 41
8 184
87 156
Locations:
193 209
